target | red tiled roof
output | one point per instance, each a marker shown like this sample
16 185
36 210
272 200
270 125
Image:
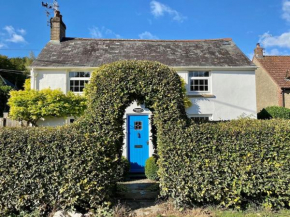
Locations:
277 67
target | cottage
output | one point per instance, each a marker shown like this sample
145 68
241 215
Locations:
220 79
272 79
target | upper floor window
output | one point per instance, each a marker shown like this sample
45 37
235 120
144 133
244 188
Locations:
78 80
199 81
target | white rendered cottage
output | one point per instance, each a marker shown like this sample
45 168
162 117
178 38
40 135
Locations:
220 78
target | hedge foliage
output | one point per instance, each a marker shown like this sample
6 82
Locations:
228 164
45 168
151 168
54 168
32 105
274 112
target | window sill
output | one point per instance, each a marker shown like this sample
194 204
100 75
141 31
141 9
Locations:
201 96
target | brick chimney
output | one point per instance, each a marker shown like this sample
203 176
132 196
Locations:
259 52
57 27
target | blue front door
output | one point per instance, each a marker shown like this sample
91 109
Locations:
138 142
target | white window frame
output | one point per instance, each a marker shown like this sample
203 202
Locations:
209 116
209 91
78 79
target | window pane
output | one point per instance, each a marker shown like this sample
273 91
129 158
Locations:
87 74
71 74
195 88
76 89
206 74
82 83
206 88
82 89
195 82
206 82
82 74
201 88
201 82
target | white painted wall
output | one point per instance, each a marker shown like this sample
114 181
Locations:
54 79
234 95
52 122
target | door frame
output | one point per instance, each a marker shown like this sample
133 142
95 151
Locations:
126 139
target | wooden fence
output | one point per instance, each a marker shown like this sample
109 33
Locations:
7 122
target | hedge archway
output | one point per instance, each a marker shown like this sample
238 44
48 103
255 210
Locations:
114 86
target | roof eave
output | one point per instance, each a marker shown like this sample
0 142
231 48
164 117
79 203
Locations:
226 68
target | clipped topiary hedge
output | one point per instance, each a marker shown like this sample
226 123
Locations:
229 164
49 169
44 168
151 168
274 112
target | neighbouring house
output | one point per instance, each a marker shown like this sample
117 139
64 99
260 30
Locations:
220 79
272 79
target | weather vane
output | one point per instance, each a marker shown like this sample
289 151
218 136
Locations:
50 7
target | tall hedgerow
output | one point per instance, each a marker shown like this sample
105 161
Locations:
228 164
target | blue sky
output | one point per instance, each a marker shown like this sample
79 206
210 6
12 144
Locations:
23 24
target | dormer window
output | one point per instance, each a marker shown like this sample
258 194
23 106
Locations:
199 82
78 81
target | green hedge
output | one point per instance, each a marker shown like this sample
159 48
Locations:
43 168
46 169
274 112
151 168
229 164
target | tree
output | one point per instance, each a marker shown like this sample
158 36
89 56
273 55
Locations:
4 95
19 64
32 105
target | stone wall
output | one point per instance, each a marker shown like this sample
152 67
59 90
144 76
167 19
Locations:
267 90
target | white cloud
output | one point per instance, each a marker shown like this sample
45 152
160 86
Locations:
95 32
22 31
9 29
286 10
158 9
13 36
16 39
147 35
273 52
2 45
268 40
103 32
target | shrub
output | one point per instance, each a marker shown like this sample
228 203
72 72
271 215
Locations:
52 169
31 105
151 168
123 168
229 164
274 112
77 166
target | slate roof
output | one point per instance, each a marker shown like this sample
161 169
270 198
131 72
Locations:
277 67
81 52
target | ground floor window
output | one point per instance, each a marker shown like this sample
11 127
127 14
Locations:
200 118
78 81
